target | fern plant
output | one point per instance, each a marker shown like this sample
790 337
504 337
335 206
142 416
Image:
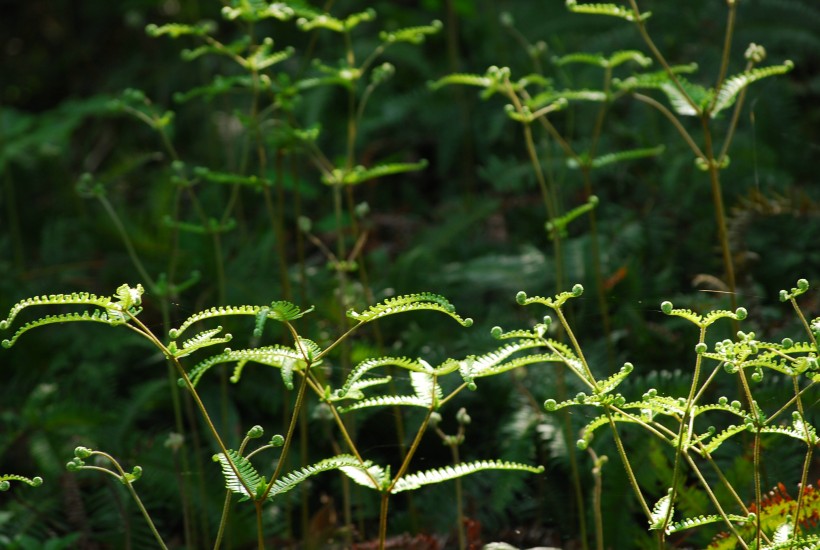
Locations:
240 475
695 428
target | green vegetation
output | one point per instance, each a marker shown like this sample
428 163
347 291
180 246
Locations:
320 190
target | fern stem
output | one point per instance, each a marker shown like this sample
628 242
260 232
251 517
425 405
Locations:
727 48
226 508
716 502
300 397
126 241
683 433
639 23
123 478
674 120
720 219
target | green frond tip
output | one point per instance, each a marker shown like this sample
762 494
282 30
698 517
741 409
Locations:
732 86
555 302
611 10
414 35
409 302
560 224
361 174
801 288
419 479
175 30
31 482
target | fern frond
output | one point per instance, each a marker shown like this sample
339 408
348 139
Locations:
620 156
560 224
721 438
387 401
699 521
219 311
360 174
279 310
201 340
366 475
552 97
369 364
612 10
588 431
426 388
328 22
274 356
95 316
354 391
606 386
414 35
125 298
554 302
255 11
438 475
248 477
483 363
409 302
663 509
228 178
31 482
175 30
732 86
624 56
655 79
211 227
494 80
294 478
517 362
703 321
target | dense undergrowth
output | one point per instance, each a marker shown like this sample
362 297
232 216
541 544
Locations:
315 180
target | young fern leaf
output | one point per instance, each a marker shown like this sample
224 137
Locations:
256 11
419 479
278 311
663 509
700 521
369 364
553 303
719 439
366 475
31 482
703 321
248 476
560 224
96 316
588 431
611 10
354 391
346 463
175 30
360 174
612 158
274 356
201 340
413 35
409 302
606 386
426 388
735 84
388 401
517 362
328 22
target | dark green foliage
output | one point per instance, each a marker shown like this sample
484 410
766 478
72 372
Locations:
268 154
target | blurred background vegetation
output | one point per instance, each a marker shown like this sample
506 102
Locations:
469 226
